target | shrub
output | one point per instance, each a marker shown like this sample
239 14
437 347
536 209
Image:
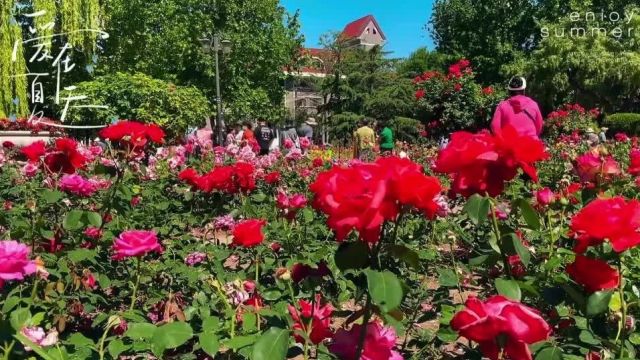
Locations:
343 125
141 97
406 129
624 122
570 118
455 100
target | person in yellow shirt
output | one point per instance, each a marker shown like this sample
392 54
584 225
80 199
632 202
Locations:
364 140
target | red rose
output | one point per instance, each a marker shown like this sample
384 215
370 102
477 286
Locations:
616 220
272 178
65 157
300 272
35 150
318 162
634 162
593 274
8 144
313 317
420 94
248 233
501 322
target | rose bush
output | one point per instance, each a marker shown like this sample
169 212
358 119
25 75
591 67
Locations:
493 246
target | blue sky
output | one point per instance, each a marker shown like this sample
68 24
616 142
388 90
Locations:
402 21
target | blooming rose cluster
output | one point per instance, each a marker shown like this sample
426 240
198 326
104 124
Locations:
132 134
615 220
501 327
481 163
595 169
365 195
65 156
230 179
78 185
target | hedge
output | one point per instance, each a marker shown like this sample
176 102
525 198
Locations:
624 122
141 97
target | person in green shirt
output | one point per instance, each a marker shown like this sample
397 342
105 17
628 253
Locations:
386 139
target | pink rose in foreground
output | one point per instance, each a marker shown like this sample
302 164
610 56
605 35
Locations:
77 185
37 336
378 344
135 243
14 261
29 170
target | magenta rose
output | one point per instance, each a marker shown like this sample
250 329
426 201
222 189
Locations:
77 185
135 243
14 261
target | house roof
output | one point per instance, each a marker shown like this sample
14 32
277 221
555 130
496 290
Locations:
356 28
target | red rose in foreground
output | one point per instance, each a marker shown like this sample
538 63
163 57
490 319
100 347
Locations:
248 233
300 272
616 220
379 342
499 318
593 274
319 317
135 243
34 151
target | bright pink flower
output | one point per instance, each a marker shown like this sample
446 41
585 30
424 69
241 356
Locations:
93 232
634 162
195 258
77 185
378 344
315 315
14 261
290 204
135 243
288 143
592 168
29 170
305 142
544 196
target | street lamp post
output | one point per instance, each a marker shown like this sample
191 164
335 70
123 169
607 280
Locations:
216 45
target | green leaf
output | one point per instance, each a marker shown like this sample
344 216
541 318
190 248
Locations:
479 260
51 196
210 324
529 214
615 304
385 289
520 249
477 208
72 220
209 343
405 254
19 318
117 347
259 197
352 255
447 277
138 331
587 337
308 215
509 288
240 342
550 353
172 335
79 255
80 341
598 302
94 218
272 345
635 338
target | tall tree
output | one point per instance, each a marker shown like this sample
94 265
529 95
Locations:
162 40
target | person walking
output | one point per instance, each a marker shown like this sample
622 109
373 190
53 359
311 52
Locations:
364 140
519 111
306 129
603 134
264 135
591 137
386 139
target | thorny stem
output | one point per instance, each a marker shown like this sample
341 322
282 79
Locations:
496 230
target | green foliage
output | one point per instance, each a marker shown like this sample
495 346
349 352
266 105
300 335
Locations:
392 100
13 89
162 40
624 122
140 97
342 126
423 60
405 129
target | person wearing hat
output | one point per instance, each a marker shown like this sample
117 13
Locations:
306 129
603 134
592 138
519 111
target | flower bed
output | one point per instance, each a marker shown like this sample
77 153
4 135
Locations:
494 246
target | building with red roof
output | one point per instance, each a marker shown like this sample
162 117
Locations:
364 32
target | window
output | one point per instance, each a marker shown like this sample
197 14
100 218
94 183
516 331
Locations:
368 30
374 31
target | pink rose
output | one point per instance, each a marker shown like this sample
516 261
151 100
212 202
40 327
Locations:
545 196
93 232
77 185
37 336
378 344
29 170
14 261
135 243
